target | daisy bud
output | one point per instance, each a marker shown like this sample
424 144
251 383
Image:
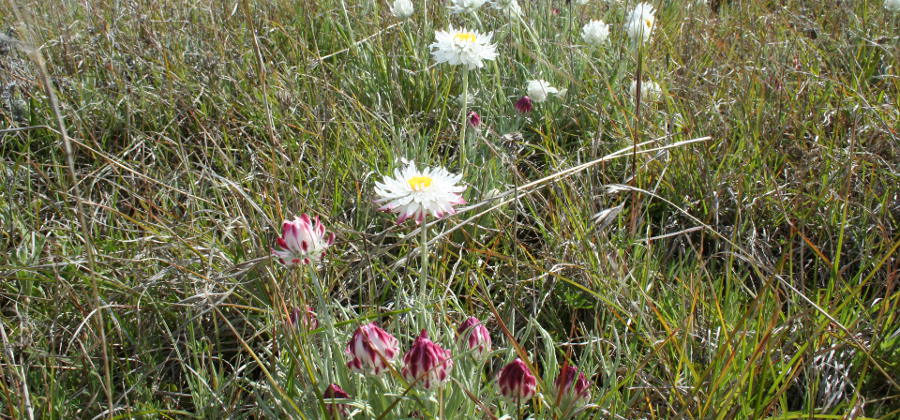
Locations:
515 381
371 349
302 241
306 320
571 386
474 119
335 410
524 104
474 336
426 364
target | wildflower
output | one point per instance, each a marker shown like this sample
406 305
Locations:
640 23
371 349
892 5
302 241
463 6
474 119
510 7
524 104
402 8
413 193
426 364
595 33
307 320
581 2
650 91
334 409
539 89
515 381
463 47
571 389
475 336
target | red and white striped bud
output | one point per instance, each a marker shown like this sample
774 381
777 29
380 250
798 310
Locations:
426 365
524 104
306 320
335 410
302 241
474 336
571 387
515 381
371 349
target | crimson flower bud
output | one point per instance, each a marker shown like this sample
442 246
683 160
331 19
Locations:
371 349
571 386
524 104
515 381
474 336
426 364
334 409
474 119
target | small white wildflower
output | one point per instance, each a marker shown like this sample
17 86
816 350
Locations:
640 23
595 33
402 8
892 5
463 47
465 6
539 89
510 7
650 91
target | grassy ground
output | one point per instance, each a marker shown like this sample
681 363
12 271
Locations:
752 274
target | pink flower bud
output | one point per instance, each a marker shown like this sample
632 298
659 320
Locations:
426 364
474 336
571 386
307 321
474 119
302 241
334 409
524 104
515 381
371 349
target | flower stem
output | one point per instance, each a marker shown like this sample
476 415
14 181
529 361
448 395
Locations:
324 311
423 254
463 145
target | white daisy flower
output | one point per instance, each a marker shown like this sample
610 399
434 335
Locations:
510 7
892 5
462 6
595 33
463 47
640 22
414 193
539 89
402 8
650 91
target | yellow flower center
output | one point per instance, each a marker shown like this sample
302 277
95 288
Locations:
648 23
465 37
419 183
